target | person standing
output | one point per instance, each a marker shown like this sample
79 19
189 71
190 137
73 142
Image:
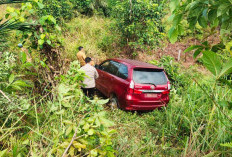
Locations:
91 74
81 56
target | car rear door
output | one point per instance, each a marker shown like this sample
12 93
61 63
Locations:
122 84
150 84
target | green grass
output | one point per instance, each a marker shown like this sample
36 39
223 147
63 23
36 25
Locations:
93 33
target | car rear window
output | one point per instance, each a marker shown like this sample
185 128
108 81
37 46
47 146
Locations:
145 76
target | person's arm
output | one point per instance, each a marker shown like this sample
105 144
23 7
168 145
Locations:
96 75
84 56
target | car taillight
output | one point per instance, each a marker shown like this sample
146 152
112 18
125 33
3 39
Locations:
137 91
166 92
132 84
132 90
169 86
131 87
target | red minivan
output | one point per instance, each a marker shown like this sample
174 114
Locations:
133 85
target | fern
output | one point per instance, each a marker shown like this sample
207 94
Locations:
229 144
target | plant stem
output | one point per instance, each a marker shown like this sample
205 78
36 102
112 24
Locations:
36 115
214 102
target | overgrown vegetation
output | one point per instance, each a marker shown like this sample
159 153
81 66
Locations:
43 111
139 22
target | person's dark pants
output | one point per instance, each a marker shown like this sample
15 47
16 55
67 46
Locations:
89 92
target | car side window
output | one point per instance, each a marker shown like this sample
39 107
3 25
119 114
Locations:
105 66
113 67
123 71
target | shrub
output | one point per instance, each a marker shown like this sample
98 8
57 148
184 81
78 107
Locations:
67 9
62 9
89 7
139 21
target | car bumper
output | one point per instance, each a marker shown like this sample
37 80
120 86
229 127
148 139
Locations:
144 105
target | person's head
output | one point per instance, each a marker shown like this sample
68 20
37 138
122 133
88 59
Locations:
88 60
80 48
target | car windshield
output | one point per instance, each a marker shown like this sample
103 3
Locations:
149 76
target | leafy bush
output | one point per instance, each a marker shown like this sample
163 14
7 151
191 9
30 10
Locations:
89 7
67 9
43 33
208 14
60 9
139 22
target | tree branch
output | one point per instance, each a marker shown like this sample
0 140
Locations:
74 136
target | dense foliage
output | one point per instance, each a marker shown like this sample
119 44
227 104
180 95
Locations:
139 22
67 118
140 26
209 14
67 9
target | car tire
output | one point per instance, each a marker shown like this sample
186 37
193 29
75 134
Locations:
114 103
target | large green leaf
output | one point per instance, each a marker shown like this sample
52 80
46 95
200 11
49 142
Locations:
173 4
23 57
202 21
177 19
11 78
212 15
99 102
192 5
21 83
227 69
173 34
192 22
197 52
212 62
222 9
193 47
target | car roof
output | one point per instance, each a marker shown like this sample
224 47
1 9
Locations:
135 63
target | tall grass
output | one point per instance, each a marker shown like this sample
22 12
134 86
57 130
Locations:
3 10
93 33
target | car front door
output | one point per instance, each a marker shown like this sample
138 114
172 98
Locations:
111 78
102 71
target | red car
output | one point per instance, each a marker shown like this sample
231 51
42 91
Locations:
133 85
